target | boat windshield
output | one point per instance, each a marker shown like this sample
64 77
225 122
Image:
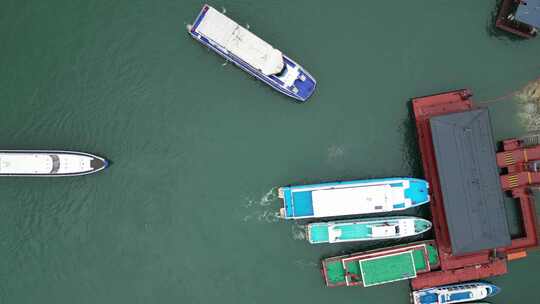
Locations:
282 72
55 163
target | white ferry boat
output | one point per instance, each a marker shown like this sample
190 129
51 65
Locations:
457 293
252 54
352 197
49 163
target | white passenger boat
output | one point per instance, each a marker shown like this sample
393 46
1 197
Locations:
49 163
368 229
352 197
456 293
252 54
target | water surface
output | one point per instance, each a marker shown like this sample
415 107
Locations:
187 212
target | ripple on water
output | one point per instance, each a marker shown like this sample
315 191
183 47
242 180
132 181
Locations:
298 231
54 213
263 209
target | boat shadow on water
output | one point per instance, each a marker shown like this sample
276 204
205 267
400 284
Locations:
410 150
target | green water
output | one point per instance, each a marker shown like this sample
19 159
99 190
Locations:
187 212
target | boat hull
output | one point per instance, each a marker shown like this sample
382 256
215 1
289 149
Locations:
352 197
307 87
345 271
366 229
95 163
456 293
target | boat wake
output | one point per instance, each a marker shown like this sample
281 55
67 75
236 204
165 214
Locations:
263 216
335 152
263 209
268 198
298 232
306 264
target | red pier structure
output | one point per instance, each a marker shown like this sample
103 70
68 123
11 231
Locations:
461 256
521 165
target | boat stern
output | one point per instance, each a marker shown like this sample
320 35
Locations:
191 28
285 194
317 233
296 203
424 296
415 297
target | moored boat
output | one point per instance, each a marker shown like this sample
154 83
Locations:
252 54
49 163
352 197
366 229
456 293
381 266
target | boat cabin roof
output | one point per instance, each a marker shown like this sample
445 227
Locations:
385 230
528 12
469 179
241 42
27 163
356 200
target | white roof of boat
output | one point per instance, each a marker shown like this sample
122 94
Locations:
25 163
44 163
241 42
359 200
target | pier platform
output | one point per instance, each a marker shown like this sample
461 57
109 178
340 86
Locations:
460 163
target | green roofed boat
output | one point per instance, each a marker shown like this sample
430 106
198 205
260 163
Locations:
381 266
366 229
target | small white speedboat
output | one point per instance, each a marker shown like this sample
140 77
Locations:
49 163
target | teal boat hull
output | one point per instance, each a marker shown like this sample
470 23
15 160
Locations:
357 197
369 229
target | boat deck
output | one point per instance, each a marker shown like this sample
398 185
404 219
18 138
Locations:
347 231
319 233
380 266
386 269
352 197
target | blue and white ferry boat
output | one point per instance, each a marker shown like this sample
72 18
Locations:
251 53
457 293
352 197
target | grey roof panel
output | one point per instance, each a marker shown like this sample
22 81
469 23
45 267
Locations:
469 178
529 12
